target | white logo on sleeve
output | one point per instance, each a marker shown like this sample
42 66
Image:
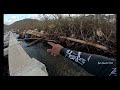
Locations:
113 72
89 58
75 56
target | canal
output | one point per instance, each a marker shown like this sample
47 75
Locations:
56 66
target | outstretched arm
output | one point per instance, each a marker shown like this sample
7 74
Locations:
95 64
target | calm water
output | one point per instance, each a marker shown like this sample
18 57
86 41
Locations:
56 66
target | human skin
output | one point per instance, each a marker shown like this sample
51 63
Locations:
55 50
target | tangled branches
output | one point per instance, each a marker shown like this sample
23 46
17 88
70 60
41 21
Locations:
99 28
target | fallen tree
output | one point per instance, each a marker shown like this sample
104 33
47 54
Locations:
67 38
85 42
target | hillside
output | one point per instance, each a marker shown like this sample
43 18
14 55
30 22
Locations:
23 24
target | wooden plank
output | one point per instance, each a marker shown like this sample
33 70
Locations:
75 40
84 42
32 32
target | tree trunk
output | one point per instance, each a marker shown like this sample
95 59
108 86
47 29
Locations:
84 42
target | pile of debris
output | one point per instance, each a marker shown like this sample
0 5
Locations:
75 44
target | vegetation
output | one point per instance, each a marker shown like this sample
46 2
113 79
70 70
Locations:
96 28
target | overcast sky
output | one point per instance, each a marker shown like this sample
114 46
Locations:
11 18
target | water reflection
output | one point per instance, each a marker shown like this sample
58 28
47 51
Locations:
56 66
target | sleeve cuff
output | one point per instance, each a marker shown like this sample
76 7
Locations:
63 51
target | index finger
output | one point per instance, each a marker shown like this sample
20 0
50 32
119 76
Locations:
51 43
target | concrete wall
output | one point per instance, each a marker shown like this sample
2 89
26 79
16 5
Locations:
20 63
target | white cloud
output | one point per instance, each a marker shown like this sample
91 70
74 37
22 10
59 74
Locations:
10 20
34 16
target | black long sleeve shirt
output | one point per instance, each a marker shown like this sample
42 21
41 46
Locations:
95 64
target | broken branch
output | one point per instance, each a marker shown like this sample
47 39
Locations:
84 42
